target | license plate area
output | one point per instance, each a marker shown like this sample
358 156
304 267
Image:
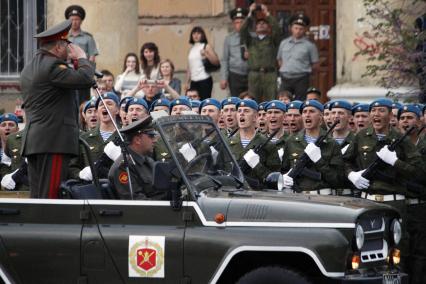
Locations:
391 279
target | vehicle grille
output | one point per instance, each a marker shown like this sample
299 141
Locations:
375 245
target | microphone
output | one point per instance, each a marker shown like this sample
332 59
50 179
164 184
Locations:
98 74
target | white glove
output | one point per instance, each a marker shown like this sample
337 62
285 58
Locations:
313 152
86 174
387 156
7 181
5 159
288 181
344 149
215 153
359 181
251 158
112 151
188 152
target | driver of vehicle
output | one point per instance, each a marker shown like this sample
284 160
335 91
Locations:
141 137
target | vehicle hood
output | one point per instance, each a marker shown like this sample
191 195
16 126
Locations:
275 206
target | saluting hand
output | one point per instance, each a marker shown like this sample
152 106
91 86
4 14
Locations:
76 52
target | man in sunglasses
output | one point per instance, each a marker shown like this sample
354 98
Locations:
141 138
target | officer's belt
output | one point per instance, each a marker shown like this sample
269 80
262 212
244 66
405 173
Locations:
324 191
263 69
414 201
344 192
384 197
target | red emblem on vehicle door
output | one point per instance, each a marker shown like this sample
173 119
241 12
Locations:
146 258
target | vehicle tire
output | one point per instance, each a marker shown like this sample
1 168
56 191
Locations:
272 275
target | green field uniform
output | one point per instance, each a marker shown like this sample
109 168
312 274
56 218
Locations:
262 77
269 160
96 146
13 151
347 185
330 165
161 153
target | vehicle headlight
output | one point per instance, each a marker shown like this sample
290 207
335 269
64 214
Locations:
396 231
359 236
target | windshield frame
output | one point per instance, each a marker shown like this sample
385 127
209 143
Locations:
172 120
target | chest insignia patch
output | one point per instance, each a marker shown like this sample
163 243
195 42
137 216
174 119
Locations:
123 178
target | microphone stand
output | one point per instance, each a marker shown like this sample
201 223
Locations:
124 151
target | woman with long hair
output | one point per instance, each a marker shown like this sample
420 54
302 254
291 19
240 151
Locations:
197 77
172 85
150 61
130 76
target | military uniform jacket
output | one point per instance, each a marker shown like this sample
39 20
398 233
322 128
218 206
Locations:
362 153
96 147
161 153
280 145
141 178
51 103
269 160
330 165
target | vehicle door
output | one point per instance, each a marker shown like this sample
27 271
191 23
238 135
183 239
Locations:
40 239
143 239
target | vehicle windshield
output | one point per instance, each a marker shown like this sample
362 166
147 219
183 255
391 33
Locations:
199 149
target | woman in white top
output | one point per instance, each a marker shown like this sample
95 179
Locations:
150 61
197 77
130 76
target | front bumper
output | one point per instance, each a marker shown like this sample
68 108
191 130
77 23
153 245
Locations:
355 279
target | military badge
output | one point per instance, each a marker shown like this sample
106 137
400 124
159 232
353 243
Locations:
123 178
146 256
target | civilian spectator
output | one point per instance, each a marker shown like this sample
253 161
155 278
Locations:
285 96
197 76
193 94
298 58
150 61
130 76
234 69
109 79
262 46
172 85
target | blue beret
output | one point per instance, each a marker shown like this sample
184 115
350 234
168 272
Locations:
124 101
248 103
294 105
160 102
9 117
409 108
195 103
327 104
136 101
210 102
182 100
340 104
381 102
397 105
312 103
110 96
276 104
360 108
230 101
89 104
262 106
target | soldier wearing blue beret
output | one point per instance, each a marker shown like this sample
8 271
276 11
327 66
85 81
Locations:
122 113
229 112
90 116
327 115
136 109
179 105
160 104
361 116
262 122
195 105
211 107
342 110
395 108
275 112
294 118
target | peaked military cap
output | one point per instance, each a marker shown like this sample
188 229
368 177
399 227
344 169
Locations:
312 103
89 104
276 104
262 106
360 108
340 104
9 117
57 32
136 101
238 13
313 90
108 96
381 102
294 105
248 103
210 102
300 19
143 125
409 108
195 103
160 102
75 10
230 101
182 100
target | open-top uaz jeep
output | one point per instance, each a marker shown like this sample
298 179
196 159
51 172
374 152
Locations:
212 230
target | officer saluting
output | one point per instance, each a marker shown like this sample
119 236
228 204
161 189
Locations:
51 106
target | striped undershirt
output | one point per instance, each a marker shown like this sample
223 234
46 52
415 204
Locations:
245 142
105 135
339 140
380 137
309 139
274 140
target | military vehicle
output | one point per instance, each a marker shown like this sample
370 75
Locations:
213 229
